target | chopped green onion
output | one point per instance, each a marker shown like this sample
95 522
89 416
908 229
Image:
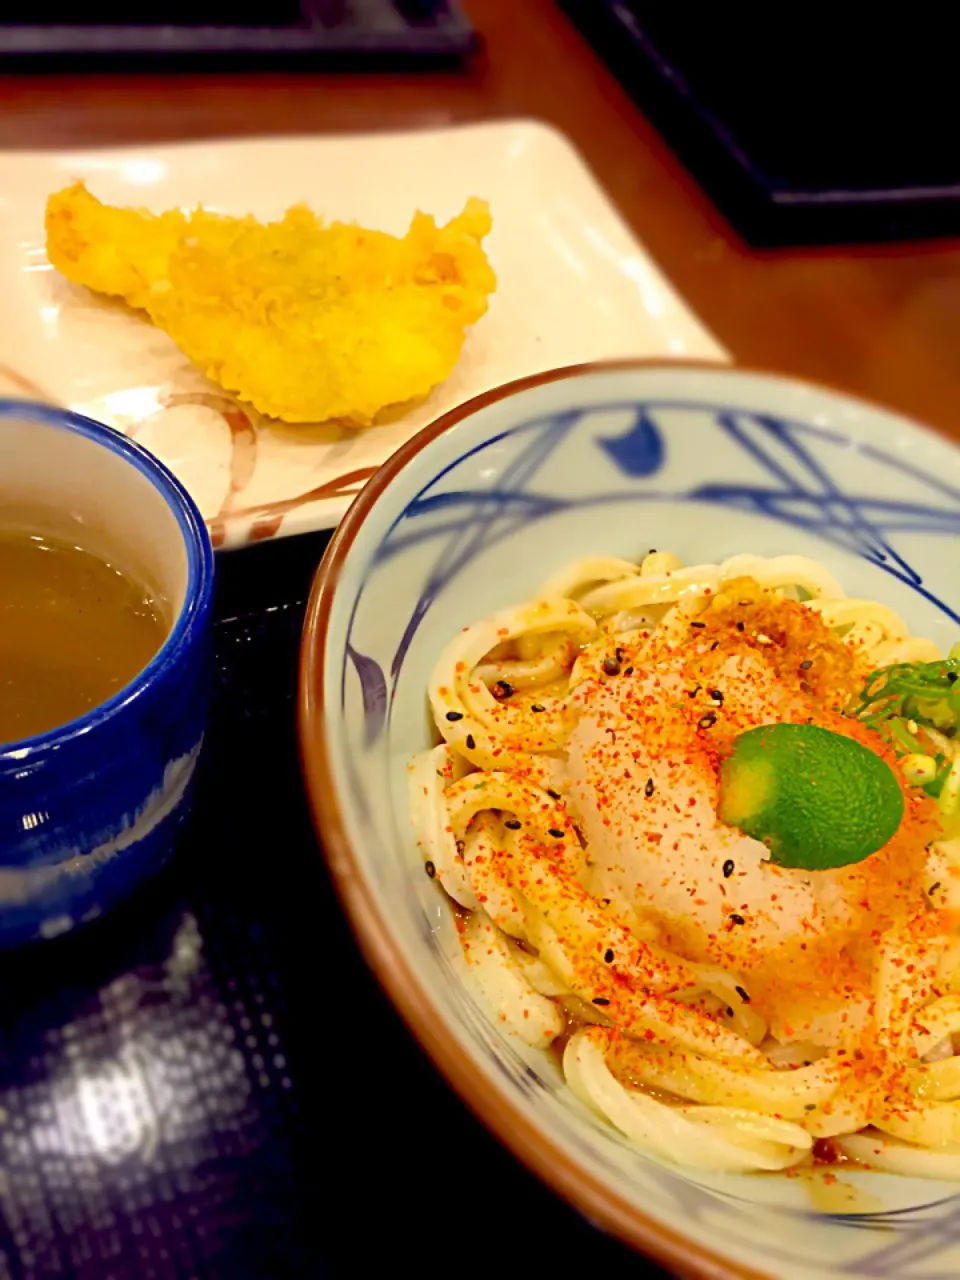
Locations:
902 737
927 693
916 706
944 765
950 795
919 770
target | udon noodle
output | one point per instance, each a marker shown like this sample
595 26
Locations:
717 1009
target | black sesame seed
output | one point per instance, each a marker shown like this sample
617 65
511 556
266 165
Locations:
611 666
652 551
729 1012
556 833
538 707
648 789
608 955
934 887
735 919
809 1106
806 664
554 795
629 671
694 692
698 624
454 715
471 742
513 824
430 869
707 720
460 846
618 654
728 869
716 695
600 1000
502 689
739 626
742 994
715 645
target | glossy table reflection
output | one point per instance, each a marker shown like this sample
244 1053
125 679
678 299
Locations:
209 1085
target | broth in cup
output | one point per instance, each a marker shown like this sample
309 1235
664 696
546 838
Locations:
74 630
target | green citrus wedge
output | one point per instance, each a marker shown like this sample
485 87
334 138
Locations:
816 799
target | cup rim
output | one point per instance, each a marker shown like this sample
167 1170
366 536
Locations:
198 593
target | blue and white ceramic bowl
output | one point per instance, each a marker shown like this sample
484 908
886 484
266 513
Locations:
89 809
471 516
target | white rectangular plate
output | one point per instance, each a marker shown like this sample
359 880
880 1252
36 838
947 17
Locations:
573 285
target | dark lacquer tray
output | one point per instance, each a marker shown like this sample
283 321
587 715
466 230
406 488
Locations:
209 1083
50 32
804 127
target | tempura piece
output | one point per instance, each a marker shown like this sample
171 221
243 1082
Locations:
306 322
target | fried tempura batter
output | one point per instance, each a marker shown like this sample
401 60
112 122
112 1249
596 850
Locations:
306 322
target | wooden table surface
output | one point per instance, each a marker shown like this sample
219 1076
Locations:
881 322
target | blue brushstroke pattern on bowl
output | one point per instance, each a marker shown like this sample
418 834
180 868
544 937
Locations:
471 517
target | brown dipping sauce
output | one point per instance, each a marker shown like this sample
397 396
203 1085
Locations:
74 630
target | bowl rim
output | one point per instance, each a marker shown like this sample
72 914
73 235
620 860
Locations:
198 593
508 1122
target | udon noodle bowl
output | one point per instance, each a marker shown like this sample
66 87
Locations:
716 1006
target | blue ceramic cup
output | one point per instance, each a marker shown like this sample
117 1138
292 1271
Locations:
89 809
